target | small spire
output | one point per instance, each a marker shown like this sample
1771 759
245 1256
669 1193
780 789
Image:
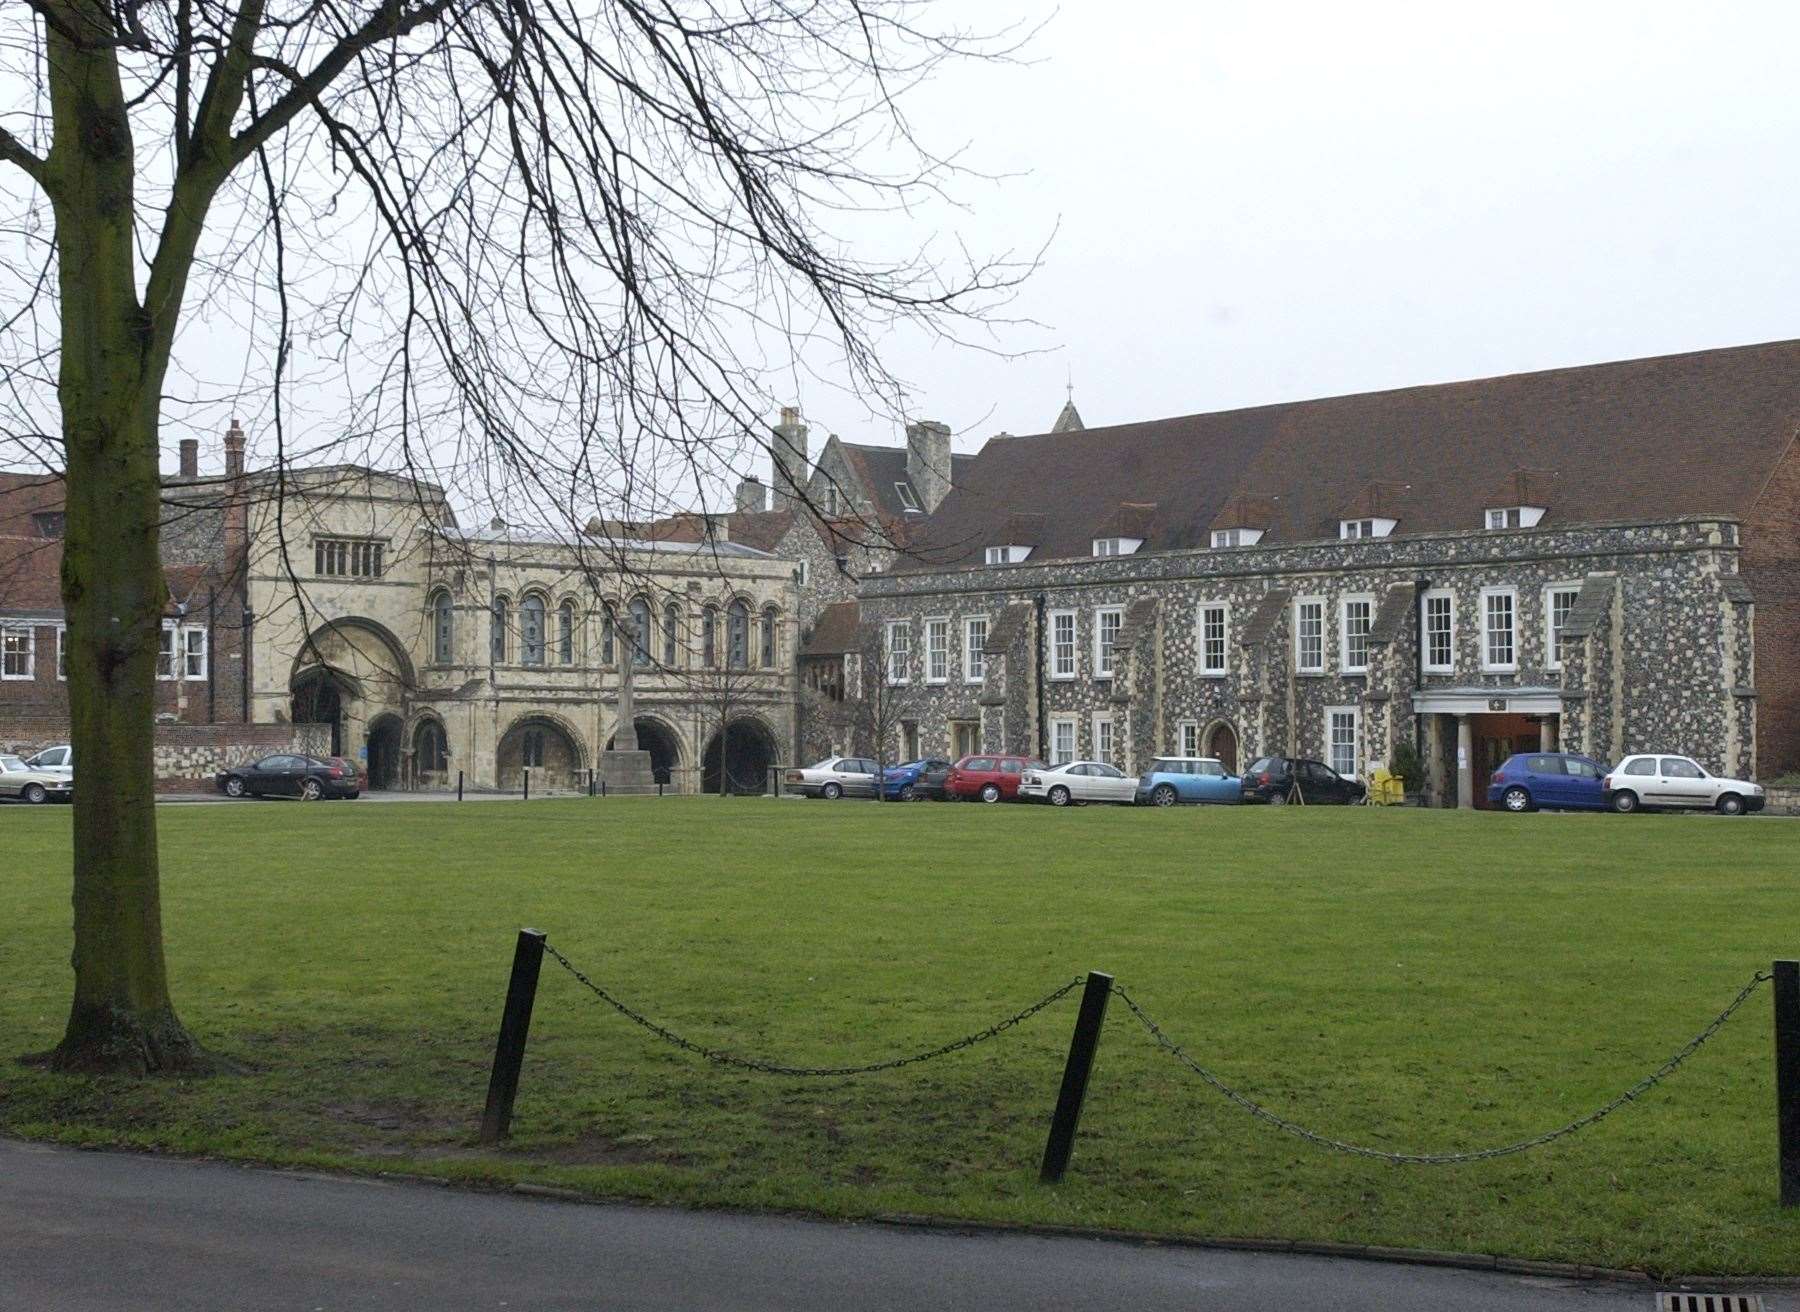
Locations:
1069 421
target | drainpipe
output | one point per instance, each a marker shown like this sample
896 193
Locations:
249 622
1420 586
212 664
1043 725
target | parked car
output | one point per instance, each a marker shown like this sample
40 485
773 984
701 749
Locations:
1078 781
989 778
305 777
24 781
1172 779
1676 781
916 781
835 777
1272 779
59 760
1550 781
350 767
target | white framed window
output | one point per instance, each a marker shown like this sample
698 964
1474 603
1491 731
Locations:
62 651
1007 555
1438 618
1107 621
899 649
1366 528
1236 537
1062 739
1559 600
18 653
1117 546
1187 738
1103 736
1356 616
1215 625
193 652
1309 635
908 501
975 649
165 651
1343 739
1499 629
1062 644
937 651
1514 516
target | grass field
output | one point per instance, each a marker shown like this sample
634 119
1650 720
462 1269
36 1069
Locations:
1412 980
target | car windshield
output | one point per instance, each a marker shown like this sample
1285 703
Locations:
11 763
826 764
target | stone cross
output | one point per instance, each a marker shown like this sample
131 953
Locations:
625 735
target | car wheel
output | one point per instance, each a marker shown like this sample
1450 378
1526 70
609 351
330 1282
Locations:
1163 795
1731 804
234 787
908 793
990 792
35 794
311 790
1625 802
831 792
1516 799
1059 796
1277 799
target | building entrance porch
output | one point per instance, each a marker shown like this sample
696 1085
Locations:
1469 733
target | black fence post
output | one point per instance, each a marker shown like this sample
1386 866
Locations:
515 1023
459 785
1080 1065
590 783
659 788
1787 1079
603 788
527 794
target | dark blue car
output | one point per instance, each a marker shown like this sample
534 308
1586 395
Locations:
916 780
1549 781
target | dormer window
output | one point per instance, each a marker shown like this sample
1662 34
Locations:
1116 546
1365 528
908 500
1007 555
1514 516
1236 537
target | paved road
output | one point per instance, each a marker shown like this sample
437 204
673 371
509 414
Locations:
103 1232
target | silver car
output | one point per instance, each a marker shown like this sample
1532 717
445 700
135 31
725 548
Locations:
58 760
18 779
835 777
1079 781
1660 780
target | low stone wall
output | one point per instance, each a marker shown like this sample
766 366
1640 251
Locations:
1783 801
186 755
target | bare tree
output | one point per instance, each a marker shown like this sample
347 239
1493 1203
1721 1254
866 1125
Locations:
883 692
542 248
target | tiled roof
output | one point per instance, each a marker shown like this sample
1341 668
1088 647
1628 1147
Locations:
881 467
835 631
1670 436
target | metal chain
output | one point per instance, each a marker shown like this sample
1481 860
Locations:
1262 1113
776 1068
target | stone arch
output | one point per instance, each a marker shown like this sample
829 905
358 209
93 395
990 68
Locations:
382 762
430 744
354 649
663 741
1219 739
737 759
546 744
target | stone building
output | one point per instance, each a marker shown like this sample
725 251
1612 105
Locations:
1601 558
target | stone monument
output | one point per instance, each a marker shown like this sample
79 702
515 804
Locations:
625 768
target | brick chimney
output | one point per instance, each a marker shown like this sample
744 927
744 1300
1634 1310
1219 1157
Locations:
751 494
234 451
928 461
790 458
190 457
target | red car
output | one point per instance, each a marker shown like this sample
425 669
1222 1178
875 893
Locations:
988 778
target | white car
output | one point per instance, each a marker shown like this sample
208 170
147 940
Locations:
1658 780
1079 781
58 760
18 779
834 777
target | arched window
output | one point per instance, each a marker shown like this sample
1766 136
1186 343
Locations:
671 619
608 632
531 629
443 635
768 637
429 753
737 635
497 627
641 634
709 637
565 633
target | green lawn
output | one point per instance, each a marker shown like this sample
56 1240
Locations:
1413 980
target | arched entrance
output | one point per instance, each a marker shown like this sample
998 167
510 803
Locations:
383 764
660 741
319 700
1221 743
544 747
431 755
747 750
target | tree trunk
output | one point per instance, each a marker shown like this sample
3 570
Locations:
113 591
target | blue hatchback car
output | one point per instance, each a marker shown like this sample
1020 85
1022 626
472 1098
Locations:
1172 779
1550 781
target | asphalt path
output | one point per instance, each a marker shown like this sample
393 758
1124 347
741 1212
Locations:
104 1232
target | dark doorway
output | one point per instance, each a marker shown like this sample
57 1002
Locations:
658 739
1222 745
747 752
318 701
1495 738
431 756
383 765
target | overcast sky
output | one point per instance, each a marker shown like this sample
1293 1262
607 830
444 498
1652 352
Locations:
1266 202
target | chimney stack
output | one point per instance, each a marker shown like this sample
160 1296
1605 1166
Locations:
790 458
751 494
190 457
928 461
234 451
